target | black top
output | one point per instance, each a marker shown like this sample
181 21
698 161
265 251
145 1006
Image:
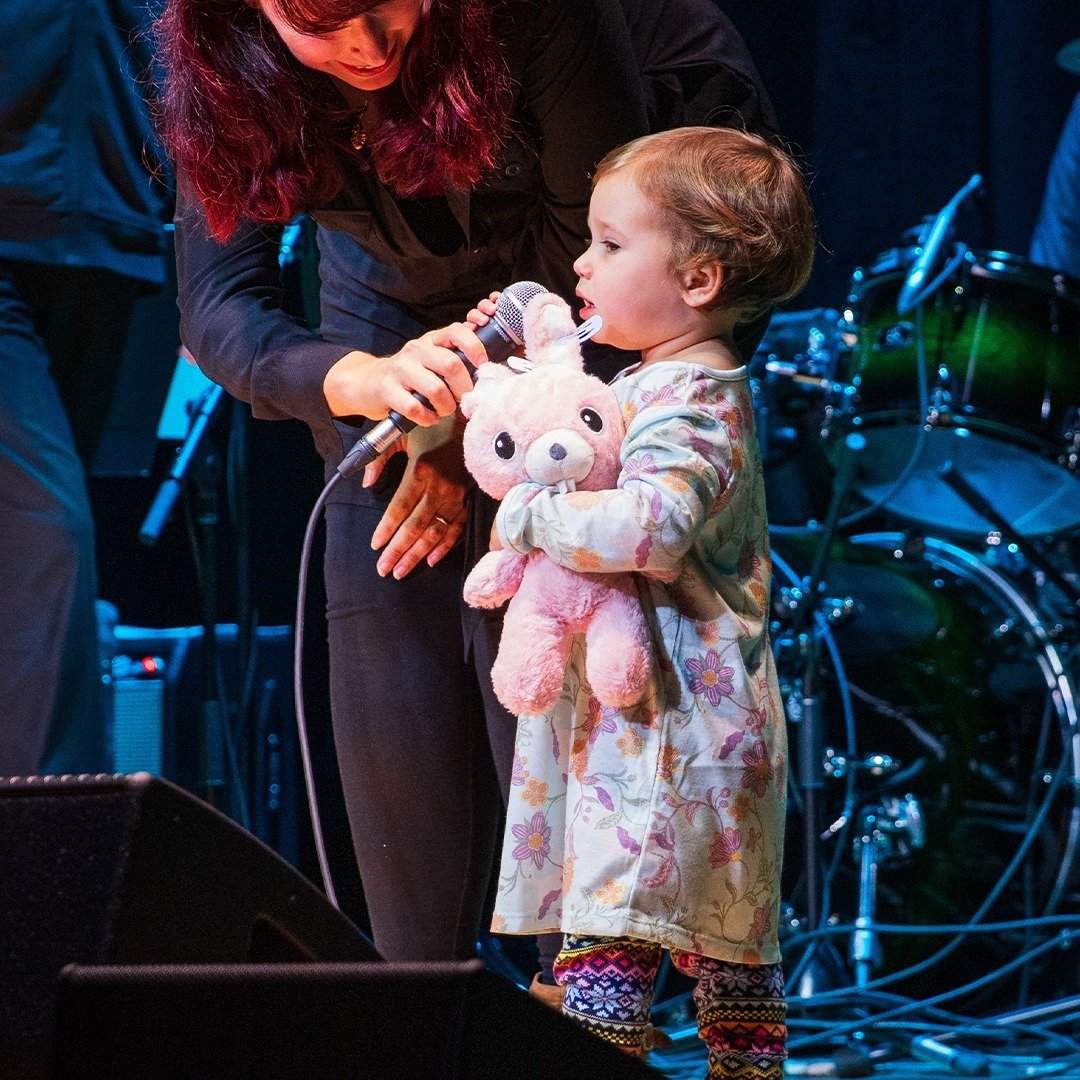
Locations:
75 189
590 74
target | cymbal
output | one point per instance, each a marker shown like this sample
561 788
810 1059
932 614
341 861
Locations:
1068 56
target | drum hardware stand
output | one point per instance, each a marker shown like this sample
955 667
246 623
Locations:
805 707
982 506
933 241
894 827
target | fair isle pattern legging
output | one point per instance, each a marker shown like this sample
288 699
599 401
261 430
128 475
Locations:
741 1011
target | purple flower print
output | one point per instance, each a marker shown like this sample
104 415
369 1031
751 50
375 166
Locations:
641 552
640 465
725 847
759 925
599 719
533 840
756 721
517 774
757 768
730 743
749 563
702 446
710 677
664 396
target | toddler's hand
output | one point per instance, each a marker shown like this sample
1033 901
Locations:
481 314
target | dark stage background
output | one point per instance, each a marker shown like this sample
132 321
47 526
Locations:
894 104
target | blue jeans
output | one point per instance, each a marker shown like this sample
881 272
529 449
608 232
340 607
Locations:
61 333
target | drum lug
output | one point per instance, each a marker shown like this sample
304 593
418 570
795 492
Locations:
836 764
1071 457
898 336
940 407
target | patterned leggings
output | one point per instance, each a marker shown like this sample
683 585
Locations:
741 1011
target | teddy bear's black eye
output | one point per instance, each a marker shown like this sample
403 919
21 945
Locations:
592 419
504 445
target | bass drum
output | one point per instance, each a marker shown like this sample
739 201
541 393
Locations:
985 375
951 678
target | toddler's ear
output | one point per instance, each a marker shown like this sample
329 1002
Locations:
488 376
701 285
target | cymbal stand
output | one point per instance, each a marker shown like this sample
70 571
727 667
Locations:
805 702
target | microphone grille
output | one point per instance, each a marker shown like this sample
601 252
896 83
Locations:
510 307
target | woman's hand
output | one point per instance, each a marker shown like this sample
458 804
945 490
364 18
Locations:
426 516
360 384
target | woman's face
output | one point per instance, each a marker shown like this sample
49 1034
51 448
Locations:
366 52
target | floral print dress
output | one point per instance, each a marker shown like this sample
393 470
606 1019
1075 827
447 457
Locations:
663 821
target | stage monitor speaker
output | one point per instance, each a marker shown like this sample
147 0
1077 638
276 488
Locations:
321 1021
133 870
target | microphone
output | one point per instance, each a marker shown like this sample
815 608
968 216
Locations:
500 337
931 248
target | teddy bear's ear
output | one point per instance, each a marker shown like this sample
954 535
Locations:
488 376
550 333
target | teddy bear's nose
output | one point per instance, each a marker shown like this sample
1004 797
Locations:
557 451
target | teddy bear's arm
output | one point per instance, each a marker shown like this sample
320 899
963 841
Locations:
494 579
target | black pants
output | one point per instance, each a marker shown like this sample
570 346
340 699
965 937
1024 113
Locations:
413 745
61 333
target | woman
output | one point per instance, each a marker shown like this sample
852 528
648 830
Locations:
444 149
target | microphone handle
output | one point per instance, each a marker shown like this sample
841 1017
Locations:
499 343
374 443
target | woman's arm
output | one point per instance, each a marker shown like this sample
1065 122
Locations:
233 324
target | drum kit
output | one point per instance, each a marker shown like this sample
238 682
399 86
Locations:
921 468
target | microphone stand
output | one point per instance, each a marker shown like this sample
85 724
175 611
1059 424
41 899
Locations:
811 737
202 465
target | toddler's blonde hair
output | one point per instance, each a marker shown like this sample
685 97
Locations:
730 197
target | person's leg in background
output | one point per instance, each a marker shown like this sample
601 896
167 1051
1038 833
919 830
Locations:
52 701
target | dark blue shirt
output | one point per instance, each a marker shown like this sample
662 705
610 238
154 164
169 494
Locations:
75 186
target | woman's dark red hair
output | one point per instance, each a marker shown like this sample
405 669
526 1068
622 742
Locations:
260 137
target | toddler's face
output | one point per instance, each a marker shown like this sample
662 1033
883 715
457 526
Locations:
625 274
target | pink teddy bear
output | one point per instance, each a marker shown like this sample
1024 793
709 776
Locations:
555 426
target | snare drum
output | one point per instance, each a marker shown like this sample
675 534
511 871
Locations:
985 375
